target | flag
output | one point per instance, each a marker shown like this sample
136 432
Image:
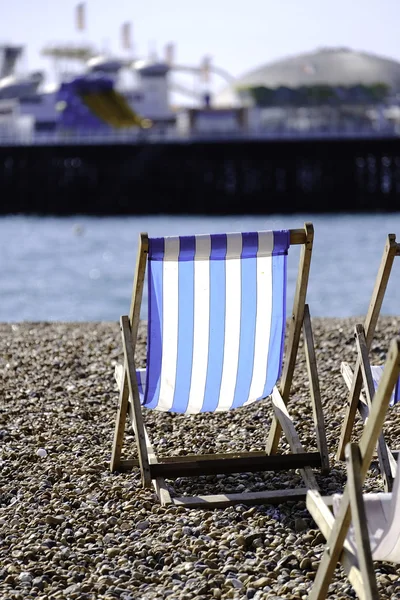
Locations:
205 69
126 41
80 16
169 53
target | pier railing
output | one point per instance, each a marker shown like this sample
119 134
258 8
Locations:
136 136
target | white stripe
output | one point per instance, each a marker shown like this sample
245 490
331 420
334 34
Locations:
170 244
201 323
170 323
377 372
232 322
263 327
265 243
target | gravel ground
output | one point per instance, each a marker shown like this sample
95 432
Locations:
71 529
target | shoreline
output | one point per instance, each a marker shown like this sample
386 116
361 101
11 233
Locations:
72 529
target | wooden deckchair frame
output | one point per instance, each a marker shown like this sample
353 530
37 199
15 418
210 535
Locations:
154 470
391 250
359 568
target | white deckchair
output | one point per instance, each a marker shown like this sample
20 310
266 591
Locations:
216 327
375 531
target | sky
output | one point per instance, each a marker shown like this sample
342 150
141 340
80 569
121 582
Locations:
238 35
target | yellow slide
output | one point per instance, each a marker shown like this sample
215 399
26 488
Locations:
112 108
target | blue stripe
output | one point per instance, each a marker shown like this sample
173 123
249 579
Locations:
278 323
218 246
154 333
156 248
141 381
217 322
187 247
249 245
281 242
396 395
248 313
185 324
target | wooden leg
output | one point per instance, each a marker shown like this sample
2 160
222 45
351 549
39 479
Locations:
120 425
318 414
351 410
294 334
286 423
159 484
323 517
359 520
137 419
127 465
134 316
390 252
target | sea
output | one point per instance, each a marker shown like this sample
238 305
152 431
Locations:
81 268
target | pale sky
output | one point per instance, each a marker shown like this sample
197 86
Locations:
237 34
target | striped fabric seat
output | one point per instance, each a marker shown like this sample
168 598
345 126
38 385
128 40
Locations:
216 320
377 371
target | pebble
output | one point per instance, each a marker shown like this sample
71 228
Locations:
300 525
54 519
70 528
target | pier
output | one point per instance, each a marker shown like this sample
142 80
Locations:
236 176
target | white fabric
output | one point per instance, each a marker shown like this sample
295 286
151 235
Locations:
170 330
263 327
232 323
201 316
383 521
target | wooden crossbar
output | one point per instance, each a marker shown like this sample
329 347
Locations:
297 236
224 500
277 462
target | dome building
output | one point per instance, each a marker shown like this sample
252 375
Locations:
329 67
328 90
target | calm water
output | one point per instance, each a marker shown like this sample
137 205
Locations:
81 268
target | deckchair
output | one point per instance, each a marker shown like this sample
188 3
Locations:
387 461
356 400
215 339
354 381
375 530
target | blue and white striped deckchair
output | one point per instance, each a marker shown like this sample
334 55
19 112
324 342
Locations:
216 329
354 381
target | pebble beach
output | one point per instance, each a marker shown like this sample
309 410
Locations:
71 529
